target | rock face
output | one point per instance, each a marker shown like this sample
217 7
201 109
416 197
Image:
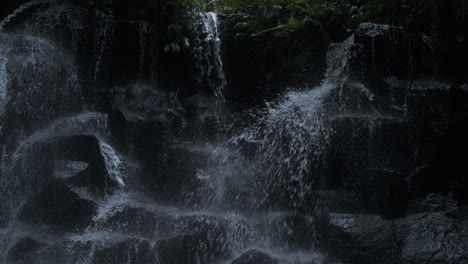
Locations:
434 233
433 238
60 208
135 221
162 172
129 251
202 241
389 51
254 257
362 239
23 250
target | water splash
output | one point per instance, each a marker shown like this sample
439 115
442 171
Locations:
4 79
208 54
291 138
90 123
114 164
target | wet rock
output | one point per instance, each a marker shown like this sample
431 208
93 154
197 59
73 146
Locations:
254 257
103 173
66 251
338 200
434 203
59 207
66 169
203 240
361 239
365 141
176 178
433 238
382 191
296 231
146 120
47 87
119 129
131 251
384 50
22 251
136 221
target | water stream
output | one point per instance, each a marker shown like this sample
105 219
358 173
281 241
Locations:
127 185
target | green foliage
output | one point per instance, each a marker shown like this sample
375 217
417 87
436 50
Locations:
269 21
462 10
279 17
183 14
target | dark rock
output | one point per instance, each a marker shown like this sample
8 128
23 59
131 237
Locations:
146 119
338 201
296 231
203 240
119 129
65 169
100 175
23 249
176 178
47 88
254 257
136 221
361 239
382 191
65 251
365 141
384 50
59 207
134 251
435 203
433 238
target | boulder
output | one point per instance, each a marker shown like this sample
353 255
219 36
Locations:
384 50
22 251
361 239
365 141
174 177
137 221
105 169
383 192
432 238
295 232
254 257
65 169
65 251
131 251
58 207
202 240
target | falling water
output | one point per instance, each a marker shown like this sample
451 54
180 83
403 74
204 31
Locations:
113 162
208 54
251 187
291 137
3 78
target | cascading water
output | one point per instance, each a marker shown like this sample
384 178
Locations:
140 183
125 215
208 54
291 137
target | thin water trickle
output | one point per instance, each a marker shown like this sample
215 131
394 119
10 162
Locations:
208 54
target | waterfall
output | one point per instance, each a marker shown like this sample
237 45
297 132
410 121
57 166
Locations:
208 54
291 137
3 78
289 141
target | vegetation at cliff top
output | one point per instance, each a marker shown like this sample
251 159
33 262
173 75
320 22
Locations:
279 19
